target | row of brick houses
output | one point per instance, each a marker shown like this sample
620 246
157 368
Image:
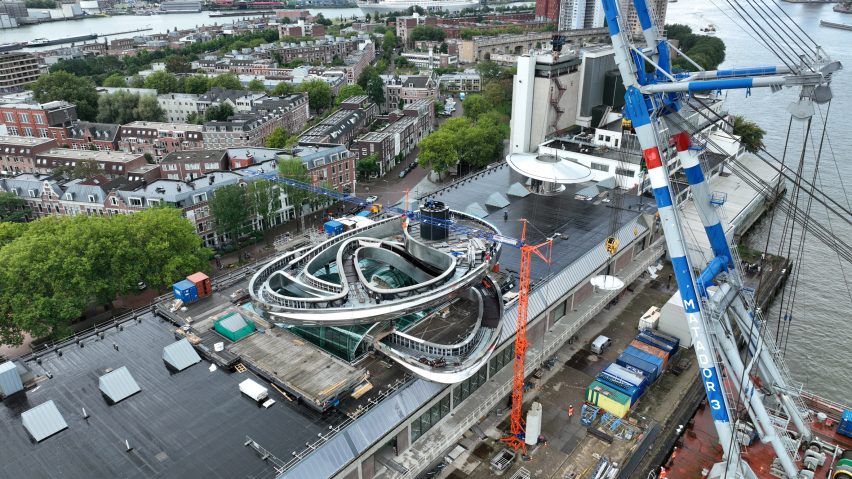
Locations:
404 131
185 180
257 115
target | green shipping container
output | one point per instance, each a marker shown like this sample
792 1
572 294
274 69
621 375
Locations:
608 399
234 327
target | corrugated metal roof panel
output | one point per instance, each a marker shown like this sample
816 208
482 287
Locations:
43 421
180 355
335 454
118 385
10 380
568 278
233 323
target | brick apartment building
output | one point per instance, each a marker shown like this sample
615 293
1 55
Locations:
46 120
404 131
301 29
400 91
189 165
18 69
404 26
84 135
111 163
355 62
159 139
18 153
316 51
343 125
327 163
252 129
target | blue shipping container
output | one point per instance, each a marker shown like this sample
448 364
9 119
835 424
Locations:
652 341
615 378
365 214
845 426
185 291
634 377
620 385
658 361
673 341
651 369
333 227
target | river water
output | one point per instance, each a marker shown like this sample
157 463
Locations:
817 350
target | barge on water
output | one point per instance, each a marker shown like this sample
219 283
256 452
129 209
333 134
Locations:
839 26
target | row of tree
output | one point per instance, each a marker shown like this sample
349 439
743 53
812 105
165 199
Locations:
53 268
234 207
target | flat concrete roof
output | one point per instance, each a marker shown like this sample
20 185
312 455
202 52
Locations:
104 156
157 125
9 140
190 424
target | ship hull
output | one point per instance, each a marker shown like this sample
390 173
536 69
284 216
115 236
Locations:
389 7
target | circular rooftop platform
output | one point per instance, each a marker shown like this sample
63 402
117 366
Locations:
548 168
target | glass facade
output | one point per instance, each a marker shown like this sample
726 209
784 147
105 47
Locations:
429 418
502 358
469 385
345 342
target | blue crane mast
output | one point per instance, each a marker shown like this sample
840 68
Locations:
653 99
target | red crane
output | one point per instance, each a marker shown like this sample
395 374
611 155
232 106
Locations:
516 439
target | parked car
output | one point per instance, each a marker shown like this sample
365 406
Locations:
239 296
403 172
371 198
141 285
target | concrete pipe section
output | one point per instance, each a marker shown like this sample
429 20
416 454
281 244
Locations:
386 273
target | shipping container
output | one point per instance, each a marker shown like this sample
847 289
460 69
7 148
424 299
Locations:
652 341
651 369
620 385
644 355
651 350
202 284
665 338
650 319
608 399
632 375
845 425
186 291
365 214
333 227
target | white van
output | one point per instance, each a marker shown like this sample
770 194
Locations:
600 344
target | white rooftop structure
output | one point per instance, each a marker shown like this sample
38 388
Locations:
43 421
118 385
180 355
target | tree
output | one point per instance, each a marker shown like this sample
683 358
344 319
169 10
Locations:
389 40
368 165
348 92
162 81
283 89
376 90
437 153
264 199
197 84
86 169
228 207
122 107
62 85
178 64
281 138
402 62
295 169
488 70
475 105
428 33
751 135
52 269
320 19
256 85
148 109
137 81
228 81
13 208
444 48
319 94
116 80
220 112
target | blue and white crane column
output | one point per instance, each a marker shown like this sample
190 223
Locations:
636 110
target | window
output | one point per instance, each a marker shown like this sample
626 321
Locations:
13 131
9 116
32 193
92 198
600 167
69 196
624 172
42 132
153 201
199 198
28 131
134 201
501 359
114 201
429 418
39 119
469 385
25 117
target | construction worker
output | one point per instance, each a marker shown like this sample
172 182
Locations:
570 411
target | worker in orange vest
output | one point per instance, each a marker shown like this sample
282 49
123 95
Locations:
663 473
570 411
